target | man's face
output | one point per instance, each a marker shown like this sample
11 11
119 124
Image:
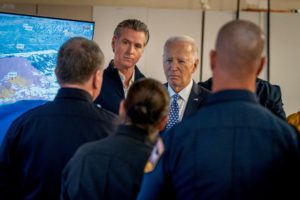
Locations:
179 64
128 48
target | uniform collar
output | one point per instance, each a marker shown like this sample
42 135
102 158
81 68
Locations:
232 95
136 133
73 93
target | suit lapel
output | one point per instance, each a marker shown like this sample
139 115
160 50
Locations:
195 99
117 85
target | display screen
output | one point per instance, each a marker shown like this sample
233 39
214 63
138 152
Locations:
28 53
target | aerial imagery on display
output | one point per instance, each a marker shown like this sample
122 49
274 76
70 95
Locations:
28 52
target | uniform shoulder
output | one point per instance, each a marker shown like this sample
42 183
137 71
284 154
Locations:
89 148
31 112
106 113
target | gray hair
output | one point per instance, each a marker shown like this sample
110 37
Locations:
78 58
183 38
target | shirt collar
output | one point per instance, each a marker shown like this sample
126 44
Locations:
136 133
73 93
184 93
122 77
232 95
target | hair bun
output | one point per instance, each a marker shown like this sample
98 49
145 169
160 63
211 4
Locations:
139 113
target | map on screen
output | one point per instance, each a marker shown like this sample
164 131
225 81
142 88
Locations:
28 52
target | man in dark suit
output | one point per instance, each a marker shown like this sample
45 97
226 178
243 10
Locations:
128 43
180 61
269 95
41 141
233 148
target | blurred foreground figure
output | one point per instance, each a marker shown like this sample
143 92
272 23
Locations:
269 95
294 120
112 168
233 148
41 141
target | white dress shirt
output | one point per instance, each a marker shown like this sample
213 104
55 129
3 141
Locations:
122 77
184 97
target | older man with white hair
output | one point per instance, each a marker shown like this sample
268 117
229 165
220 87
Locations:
180 61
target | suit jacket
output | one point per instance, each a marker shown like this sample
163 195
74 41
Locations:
197 99
41 141
112 88
269 95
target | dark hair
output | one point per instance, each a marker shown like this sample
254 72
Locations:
133 24
147 103
78 58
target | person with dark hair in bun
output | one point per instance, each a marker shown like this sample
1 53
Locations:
113 168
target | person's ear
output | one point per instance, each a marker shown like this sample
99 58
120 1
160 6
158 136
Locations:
196 63
262 62
212 56
122 112
96 83
97 79
113 43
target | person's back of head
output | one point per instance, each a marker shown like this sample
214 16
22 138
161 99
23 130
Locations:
135 25
237 59
79 64
147 104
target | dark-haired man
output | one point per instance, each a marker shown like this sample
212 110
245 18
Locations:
128 43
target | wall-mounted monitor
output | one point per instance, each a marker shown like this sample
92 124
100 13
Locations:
28 52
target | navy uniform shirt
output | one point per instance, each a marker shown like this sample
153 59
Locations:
231 149
269 95
40 142
9 112
111 168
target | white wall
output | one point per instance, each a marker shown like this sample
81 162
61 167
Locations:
285 58
106 19
213 22
163 23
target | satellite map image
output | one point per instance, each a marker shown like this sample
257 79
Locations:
28 52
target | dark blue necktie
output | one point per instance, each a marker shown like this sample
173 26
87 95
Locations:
173 112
